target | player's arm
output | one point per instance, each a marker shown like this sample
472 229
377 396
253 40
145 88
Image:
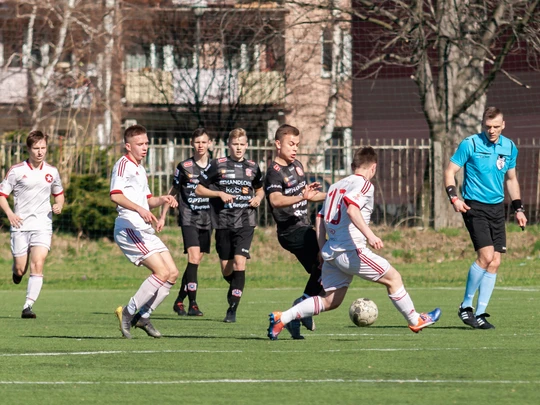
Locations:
202 191
512 186
154 202
121 200
15 220
59 201
451 190
320 229
257 198
310 192
165 207
356 218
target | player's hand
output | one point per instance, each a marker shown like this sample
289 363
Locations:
255 202
160 225
226 198
460 206
57 209
15 220
376 243
311 190
169 199
147 216
521 219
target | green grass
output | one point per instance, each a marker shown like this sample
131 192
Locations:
72 352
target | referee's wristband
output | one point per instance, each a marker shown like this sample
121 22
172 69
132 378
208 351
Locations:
452 193
517 205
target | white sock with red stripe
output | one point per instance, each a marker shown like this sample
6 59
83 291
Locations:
157 299
35 282
309 307
403 302
146 291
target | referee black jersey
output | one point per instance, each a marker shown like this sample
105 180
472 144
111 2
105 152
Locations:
239 179
290 181
193 210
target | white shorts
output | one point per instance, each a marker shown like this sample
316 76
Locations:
138 245
340 267
22 241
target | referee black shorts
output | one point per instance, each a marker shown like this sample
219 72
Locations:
234 242
486 225
302 243
194 236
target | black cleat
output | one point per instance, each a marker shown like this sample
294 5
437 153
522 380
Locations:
146 325
294 329
194 310
178 307
467 316
230 317
17 279
482 322
27 313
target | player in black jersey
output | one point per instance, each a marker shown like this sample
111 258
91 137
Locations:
193 218
234 185
288 194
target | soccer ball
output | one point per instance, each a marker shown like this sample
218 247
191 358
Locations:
363 312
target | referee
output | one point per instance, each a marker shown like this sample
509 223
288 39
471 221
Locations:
488 158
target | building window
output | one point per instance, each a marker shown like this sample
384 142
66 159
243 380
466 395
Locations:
337 157
343 44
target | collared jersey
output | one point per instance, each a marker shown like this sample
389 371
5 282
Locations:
288 180
342 233
192 210
485 165
32 189
129 178
239 179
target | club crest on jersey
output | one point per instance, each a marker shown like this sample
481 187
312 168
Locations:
189 163
48 178
249 172
277 168
222 159
501 160
299 171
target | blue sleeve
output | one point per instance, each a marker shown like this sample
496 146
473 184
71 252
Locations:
463 152
513 157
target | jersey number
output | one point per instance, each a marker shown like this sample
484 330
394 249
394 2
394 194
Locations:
333 214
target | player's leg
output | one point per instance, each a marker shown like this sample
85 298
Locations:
20 246
38 254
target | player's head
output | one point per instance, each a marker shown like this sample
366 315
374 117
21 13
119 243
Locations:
36 136
136 142
287 140
238 143
200 140
493 123
365 162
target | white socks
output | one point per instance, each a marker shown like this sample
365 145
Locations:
35 282
309 307
146 291
403 302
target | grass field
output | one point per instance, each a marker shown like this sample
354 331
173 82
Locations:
73 352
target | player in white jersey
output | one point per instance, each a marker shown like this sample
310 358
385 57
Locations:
32 183
345 217
134 234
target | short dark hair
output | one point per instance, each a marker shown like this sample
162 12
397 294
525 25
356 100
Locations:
134 130
491 113
363 157
36 136
199 132
286 129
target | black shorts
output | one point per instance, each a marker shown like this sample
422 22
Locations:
302 243
486 225
194 236
234 242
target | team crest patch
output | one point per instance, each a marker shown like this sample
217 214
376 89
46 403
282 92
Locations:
189 163
48 178
192 286
277 168
221 160
249 172
501 160
236 292
176 172
299 171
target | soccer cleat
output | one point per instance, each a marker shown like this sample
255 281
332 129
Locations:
27 313
124 317
426 319
276 326
146 325
194 310
467 316
482 322
230 317
294 329
178 307
17 279
308 321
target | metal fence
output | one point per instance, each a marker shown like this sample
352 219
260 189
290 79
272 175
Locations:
403 171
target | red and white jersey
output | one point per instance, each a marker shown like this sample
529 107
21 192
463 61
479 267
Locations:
129 178
342 233
32 189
